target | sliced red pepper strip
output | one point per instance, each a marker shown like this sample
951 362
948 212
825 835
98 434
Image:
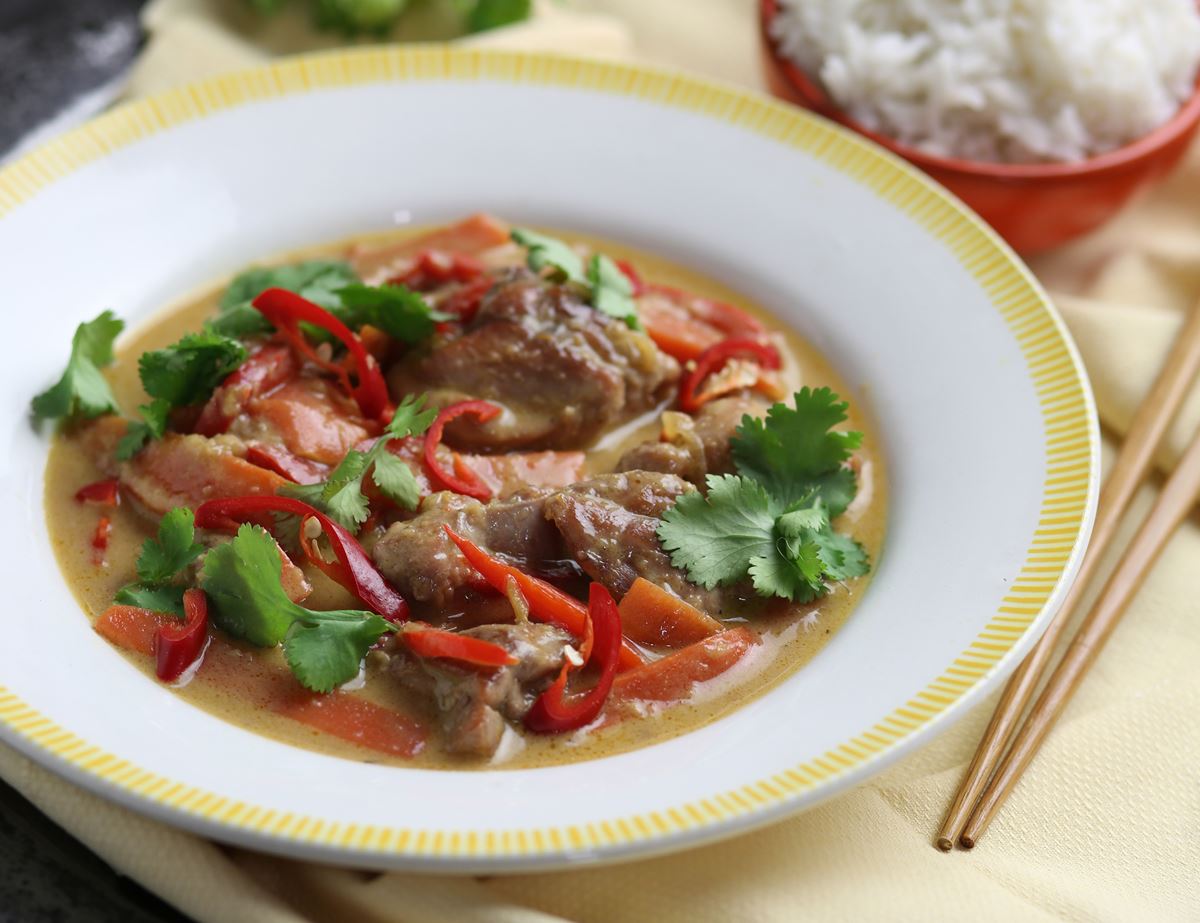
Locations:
553 713
547 603
287 310
467 481
263 371
450 645
690 399
176 646
353 568
100 540
634 277
278 459
101 493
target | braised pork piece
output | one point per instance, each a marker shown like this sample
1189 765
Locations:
468 497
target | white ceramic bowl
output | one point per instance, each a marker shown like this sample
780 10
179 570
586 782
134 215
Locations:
990 429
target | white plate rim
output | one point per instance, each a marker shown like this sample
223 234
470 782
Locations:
1072 459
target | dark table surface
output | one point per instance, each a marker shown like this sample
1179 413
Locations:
53 54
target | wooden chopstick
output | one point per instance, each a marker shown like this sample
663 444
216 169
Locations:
1176 501
1129 469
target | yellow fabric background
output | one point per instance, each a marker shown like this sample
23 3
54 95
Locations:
1102 828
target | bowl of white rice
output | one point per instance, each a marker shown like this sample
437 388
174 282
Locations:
1045 116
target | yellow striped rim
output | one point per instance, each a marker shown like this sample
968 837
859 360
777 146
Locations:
1070 437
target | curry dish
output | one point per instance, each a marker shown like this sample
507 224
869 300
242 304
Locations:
465 497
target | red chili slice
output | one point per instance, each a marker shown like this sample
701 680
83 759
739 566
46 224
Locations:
100 540
353 568
278 459
690 399
287 310
634 277
100 493
466 481
449 645
553 712
547 603
176 646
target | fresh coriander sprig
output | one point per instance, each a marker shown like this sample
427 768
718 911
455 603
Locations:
316 280
772 522
162 559
83 390
341 496
609 289
247 600
182 374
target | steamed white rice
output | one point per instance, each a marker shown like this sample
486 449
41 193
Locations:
999 80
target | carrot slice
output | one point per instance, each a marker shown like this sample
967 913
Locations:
674 677
357 720
651 615
340 714
675 331
132 627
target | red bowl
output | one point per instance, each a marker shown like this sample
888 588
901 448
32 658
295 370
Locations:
1032 206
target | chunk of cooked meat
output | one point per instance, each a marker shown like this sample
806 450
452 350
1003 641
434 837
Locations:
605 525
421 561
696 446
612 534
474 704
562 371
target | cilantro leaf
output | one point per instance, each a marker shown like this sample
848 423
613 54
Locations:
325 649
161 560
565 264
794 450
245 596
317 280
609 289
411 418
612 292
793 570
247 600
152 426
842 556
240 322
395 309
341 496
716 537
396 480
83 390
188 371
771 523
171 550
156 598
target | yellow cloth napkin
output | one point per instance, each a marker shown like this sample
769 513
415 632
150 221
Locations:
1102 828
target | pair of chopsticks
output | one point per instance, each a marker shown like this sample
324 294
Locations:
993 771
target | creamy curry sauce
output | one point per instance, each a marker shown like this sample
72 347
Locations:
792 635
